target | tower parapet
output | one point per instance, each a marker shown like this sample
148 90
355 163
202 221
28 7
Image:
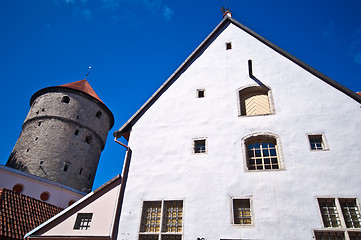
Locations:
63 135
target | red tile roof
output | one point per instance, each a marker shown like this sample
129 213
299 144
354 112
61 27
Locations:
20 213
359 93
83 86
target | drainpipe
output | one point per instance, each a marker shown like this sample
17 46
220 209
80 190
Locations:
122 189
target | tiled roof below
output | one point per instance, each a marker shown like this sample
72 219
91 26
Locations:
359 93
20 213
83 86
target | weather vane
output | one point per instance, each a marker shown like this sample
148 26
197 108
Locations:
87 74
224 9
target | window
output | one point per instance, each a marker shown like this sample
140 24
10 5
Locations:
162 218
65 99
262 153
343 215
88 139
18 188
199 146
76 132
44 196
201 93
254 101
66 167
242 212
228 45
329 235
98 114
83 221
317 142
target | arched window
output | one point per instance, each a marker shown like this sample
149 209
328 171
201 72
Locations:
254 101
65 99
262 153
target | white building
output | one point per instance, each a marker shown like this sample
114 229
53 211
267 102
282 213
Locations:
243 141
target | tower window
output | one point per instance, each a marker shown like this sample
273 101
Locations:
201 93
228 45
65 99
41 163
76 132
99 113
66 167
39 123
88 139
43 109
81 170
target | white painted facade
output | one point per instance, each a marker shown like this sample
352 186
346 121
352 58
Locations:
33 186
161 165
283 202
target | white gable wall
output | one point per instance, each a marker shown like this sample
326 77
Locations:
284 202
103 208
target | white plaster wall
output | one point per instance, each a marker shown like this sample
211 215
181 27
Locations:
103 209
34 186
284 202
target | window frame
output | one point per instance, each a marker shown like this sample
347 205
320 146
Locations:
343 226
323 139
248 139
205 146
161 233
249 198
255 88
78 221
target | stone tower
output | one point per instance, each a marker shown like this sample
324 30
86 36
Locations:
63 135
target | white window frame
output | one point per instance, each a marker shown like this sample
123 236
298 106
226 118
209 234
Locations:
260 135
205 145
249 198
323 139
161 233
343 228
270 100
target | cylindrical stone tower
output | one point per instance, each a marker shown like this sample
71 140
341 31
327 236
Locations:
63 135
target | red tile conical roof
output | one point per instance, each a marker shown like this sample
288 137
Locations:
83 86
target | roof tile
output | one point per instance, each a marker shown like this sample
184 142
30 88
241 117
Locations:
20 213
83 86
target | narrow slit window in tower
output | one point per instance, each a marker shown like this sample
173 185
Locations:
66 167
81 170
76 132
99 113
39 123
88 139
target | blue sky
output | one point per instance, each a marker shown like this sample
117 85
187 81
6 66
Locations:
133 46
